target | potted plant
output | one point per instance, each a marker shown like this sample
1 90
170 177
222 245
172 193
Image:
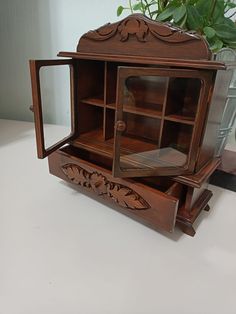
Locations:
207 17
210 18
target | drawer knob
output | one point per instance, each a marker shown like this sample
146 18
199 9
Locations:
120 126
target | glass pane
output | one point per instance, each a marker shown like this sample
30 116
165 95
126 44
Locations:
56 106
159 115
145 94
182 99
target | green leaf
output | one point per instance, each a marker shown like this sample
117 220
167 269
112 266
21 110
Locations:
194 19
182 23
225 32
166 14
203 7
216 45
120 10
232 45
226 20
138 7
219 11
209 32
192 2
179 13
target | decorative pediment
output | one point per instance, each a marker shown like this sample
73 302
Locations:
153 38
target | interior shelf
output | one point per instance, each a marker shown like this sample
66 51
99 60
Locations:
111 106
94 101
146 112
180 119
135 153
94 141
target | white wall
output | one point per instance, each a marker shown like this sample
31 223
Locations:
34 29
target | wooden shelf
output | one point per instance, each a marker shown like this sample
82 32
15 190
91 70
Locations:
138 111
180 119
94 101
94 141
135 153
111 106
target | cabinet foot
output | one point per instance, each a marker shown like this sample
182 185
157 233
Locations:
186 219
187 228
207 208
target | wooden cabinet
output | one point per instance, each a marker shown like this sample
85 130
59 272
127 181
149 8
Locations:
143 122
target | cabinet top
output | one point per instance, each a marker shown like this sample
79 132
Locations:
138 39
138 35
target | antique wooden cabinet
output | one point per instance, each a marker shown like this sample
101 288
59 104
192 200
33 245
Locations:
146 101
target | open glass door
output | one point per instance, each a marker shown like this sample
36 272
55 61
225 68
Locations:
53 71
156 121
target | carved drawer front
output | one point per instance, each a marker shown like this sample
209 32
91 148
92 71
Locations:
143 203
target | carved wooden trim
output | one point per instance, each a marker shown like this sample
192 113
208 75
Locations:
98 183
137 35
140 26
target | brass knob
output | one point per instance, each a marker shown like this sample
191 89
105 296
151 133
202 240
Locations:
120 126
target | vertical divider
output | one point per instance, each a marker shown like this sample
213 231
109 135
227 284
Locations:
105 101
110 92
163 112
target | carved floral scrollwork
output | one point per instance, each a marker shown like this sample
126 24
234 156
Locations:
133 27
140 26
122 195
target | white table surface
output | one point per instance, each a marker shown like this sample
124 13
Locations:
64 253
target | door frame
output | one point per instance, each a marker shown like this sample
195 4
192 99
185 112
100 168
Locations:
122 74
35 66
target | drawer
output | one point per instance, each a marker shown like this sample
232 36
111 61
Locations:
152 202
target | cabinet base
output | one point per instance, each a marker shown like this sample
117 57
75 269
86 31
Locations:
162 205
186 219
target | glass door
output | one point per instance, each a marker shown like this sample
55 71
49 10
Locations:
157 112
53 81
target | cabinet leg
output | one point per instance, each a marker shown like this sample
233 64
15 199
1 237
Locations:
187 228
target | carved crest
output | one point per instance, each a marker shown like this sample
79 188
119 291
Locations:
99 184
133 27
153 38
140 26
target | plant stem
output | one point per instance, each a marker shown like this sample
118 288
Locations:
143 7
130 5
214 2
148 8
165 2
160 5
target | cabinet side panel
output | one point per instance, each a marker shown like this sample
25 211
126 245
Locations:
214 118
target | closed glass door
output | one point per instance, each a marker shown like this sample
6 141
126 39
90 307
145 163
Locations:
156 121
